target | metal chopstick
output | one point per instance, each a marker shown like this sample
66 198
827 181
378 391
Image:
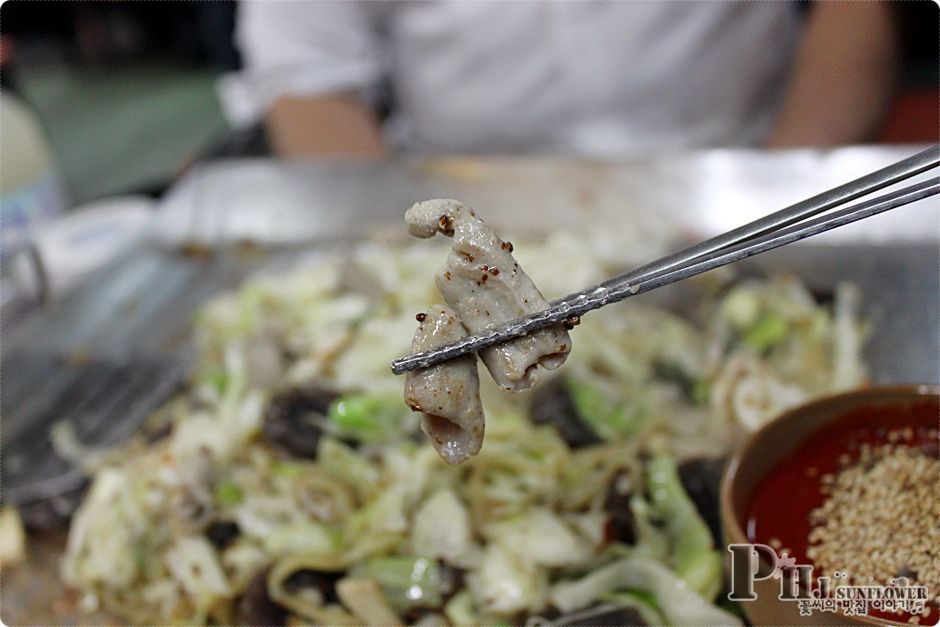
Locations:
862 186
772 231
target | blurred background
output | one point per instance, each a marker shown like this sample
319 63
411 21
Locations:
125 94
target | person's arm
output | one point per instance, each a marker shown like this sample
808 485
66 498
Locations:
307 65
338 125
843 77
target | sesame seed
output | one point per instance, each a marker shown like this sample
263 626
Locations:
877 520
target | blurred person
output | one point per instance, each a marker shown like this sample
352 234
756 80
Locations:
586 78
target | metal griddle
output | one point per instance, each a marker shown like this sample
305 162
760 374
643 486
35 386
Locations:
226 220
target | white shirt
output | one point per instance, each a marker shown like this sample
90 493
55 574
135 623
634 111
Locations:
590 78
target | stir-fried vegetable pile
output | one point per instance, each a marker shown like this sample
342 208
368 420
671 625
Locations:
294 481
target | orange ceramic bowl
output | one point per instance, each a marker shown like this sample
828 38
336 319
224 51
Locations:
782 440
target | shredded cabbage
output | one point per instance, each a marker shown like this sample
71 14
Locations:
370 418
12 537
539 536
408 581
523 523
693 555
441 527
680 604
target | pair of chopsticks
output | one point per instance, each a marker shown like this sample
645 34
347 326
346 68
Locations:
772 231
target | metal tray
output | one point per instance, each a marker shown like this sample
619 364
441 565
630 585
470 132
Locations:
227 220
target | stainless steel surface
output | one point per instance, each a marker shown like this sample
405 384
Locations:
702 194
137 311
852 190
772 231
106 401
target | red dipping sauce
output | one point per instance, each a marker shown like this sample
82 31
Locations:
780 507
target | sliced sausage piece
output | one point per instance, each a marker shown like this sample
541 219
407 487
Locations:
290 421
485 285
448 394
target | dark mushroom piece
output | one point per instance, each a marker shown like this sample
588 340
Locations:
552 405
54 513
290 421
673 373
701 479
454 579
621 526
222 533
324 582
255 606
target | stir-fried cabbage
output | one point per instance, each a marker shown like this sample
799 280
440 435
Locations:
680 604
367 524
693 554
